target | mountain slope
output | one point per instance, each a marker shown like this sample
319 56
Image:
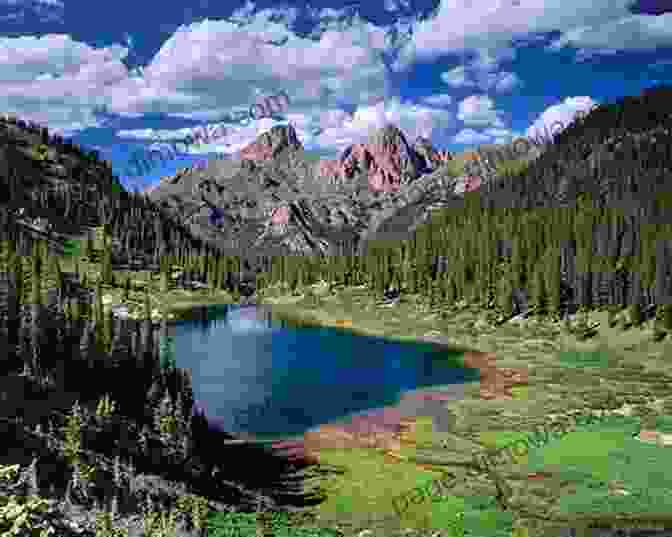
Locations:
276 197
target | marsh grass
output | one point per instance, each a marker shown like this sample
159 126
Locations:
581 360
253 525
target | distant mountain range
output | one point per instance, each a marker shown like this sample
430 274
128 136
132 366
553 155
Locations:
274 196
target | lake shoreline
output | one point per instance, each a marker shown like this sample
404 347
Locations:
526 362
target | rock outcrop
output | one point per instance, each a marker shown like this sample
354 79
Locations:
387 160
275 198
270 144
430 157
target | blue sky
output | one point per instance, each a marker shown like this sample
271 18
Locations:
113 75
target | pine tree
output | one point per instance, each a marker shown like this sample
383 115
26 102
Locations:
127 288
667 317
106 268
540 295
98 313
60 278
636 314
165 275
88 249
505 298
36 276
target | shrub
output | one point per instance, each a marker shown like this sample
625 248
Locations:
106 407
196 507
511 167
40 152
454 167
30 517
105 527
636 317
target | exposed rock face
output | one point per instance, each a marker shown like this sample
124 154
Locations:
270 144
274 198
387 160
430 157
467 183
280 216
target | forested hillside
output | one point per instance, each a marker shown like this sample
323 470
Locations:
587 224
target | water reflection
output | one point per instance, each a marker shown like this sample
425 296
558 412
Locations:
296 378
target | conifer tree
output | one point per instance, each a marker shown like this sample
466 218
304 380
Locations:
88 249
539 292
106 268
636 314
505 297
127 288
667 317
60 278
36 276
98 313
16 298
165 275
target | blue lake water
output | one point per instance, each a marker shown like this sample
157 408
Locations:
289 380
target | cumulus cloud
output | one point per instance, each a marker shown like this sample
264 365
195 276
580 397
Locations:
457 77
212 70
596 28
413 120
204 71
470 137
483 73
477 110
43 10
599 27
56 81
439 100
331 133
558 116
549 123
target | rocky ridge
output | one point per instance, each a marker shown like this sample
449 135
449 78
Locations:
275 198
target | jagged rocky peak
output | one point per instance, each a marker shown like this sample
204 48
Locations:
270 144
431 158
386 158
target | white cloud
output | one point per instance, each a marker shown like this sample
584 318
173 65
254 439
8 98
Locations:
556 117
56 81
478 111
596 28
44 10
413 120
394 6
203 71
631 33
600 25
470 137
439 100
548 124
457 77
482 73
211 68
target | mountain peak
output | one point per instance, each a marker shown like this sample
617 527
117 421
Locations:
387 160
270 144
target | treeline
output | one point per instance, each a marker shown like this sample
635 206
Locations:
90 195
142 230
57 141
569 233
82 388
